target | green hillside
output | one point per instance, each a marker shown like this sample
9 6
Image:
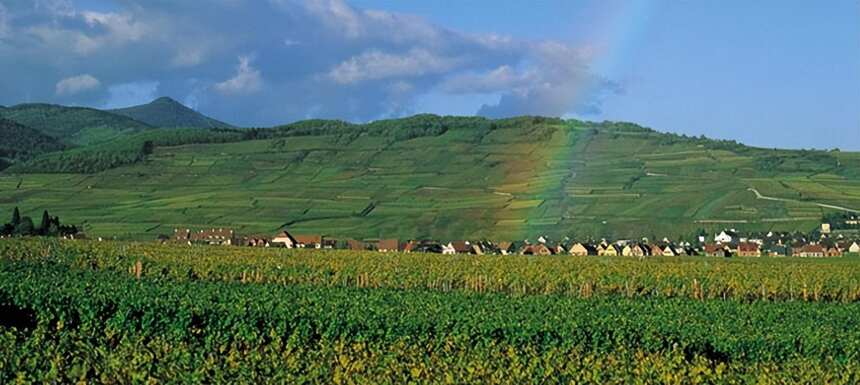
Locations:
72 125
165 112
21 143
448 178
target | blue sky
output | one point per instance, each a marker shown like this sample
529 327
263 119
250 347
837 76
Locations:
767 73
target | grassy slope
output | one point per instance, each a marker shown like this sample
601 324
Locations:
507 184
166 112
73 125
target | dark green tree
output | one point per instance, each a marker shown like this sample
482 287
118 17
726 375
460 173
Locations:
16 217
46 223
24 227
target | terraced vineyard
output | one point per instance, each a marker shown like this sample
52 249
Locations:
121 312
462 178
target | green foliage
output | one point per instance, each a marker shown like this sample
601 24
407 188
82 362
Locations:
24 227
804 161
698 278
842 221
85 325
73 125
49 226
120 152
167 113
22 143
16 217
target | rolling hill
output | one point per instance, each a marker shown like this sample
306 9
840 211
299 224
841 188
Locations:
73 125
446 177
165 112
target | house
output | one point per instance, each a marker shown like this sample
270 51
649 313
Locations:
429 246
854 248
582 249
557 249
388 245
825 228
609 250
833 251
329 243
633 250
776 250
655 250
408 247
669 251
477 249
220 236
309 241
811 250
182 235
256 241
748 249
458 247
284 239
462 247
538 249
725 236
355 245
506 248
716 250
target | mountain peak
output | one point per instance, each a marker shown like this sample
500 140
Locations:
166 112
165 100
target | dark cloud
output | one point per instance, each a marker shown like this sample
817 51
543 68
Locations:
257 62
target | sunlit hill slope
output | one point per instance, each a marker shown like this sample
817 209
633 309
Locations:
439 177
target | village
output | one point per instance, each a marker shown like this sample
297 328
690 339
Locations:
727 243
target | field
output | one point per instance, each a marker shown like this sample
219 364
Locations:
143 313
558 178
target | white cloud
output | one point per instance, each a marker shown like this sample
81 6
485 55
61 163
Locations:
337 15
247 79
56 8
503 78
130 94
374 65
188 57
77 84
85 33
120 27
310 50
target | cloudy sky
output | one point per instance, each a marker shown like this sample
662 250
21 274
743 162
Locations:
780 73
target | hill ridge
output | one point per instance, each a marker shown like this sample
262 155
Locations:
72 125
166 112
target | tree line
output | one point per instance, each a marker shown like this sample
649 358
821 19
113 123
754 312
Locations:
50 226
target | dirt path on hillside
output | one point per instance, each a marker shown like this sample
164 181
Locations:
759 196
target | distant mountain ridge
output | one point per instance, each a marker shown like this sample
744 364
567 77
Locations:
72 125
165 112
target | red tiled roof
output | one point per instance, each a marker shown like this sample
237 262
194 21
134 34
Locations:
461 247
747 247
308 239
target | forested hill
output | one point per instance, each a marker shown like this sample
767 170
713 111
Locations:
165 112
73 125
428 176
21 143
